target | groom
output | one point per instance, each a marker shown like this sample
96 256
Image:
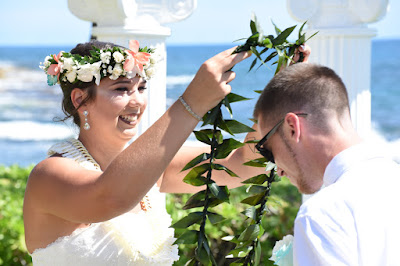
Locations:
353 219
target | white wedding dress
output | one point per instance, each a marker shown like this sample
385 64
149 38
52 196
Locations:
141 238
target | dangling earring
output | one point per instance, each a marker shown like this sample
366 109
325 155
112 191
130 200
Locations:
86 126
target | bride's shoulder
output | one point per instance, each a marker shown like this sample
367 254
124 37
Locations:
55 172
54 166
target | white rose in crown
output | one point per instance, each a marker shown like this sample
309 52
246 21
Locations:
150 72
47 62
69 64
105 57
282 254
96 67
118 57
86 72
71 76
117 71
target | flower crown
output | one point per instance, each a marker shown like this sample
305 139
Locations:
113 62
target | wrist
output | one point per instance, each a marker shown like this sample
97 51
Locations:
189 109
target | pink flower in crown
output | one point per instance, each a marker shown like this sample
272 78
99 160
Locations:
135 60
54 69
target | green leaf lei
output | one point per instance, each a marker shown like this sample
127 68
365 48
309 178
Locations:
248 248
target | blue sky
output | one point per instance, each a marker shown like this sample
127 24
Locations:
49 22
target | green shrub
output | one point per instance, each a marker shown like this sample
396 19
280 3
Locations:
283 206
12 242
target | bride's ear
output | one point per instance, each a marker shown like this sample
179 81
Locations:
77 96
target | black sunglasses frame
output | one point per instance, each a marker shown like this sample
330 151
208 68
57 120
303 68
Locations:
267 154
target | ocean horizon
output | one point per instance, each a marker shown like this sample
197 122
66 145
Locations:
28 106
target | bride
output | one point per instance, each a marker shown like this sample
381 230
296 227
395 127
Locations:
97 201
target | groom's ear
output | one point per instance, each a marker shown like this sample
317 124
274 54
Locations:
77 96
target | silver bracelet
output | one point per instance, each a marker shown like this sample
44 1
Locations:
187 107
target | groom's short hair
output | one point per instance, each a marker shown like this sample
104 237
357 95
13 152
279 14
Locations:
309 88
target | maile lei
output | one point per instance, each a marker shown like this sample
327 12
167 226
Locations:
248 248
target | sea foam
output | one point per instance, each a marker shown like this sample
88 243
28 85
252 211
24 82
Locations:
34 131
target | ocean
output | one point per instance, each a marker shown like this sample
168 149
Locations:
28 106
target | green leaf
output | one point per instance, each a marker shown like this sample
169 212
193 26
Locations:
188 237
215 202
267 43
250 233
277 30
227 104
202 136
252 40
271 55
257 254
196 200
185 222
220 167
241 250
203 244
197 181
312 36
251 213
212 115
253 120
260 162
197 171
237 261
281 59
227 146
215 218
236 127
301 29
254 189
232 97
191 262
222 125
281 38
253 200
253 25
220 192
252 141
93 53
258 179
202 255
301 40
201 158
193 204
253 64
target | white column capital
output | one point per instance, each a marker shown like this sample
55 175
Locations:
337 13
132 14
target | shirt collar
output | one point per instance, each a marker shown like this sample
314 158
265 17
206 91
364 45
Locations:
346 159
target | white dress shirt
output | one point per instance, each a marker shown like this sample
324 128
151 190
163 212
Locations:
354 219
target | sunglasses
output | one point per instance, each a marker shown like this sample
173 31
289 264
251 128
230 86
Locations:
265 152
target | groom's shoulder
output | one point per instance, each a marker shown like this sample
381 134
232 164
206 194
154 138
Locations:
326 202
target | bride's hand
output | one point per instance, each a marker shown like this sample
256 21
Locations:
211 83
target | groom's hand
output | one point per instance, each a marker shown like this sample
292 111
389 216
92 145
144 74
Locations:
303 52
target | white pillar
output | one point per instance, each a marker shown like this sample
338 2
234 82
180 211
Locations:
344 44
119 21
